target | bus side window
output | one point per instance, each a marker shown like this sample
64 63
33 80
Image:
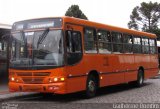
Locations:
137 47
127 43
1 48
152 46
90 42
117 42
145 45
104 41
73 46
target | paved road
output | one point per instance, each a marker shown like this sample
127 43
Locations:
149 93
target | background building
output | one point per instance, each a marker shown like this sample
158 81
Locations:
4 56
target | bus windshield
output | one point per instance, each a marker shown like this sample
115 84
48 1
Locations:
38 48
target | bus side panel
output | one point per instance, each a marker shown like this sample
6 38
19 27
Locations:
78 73
113 79
76 84
154 61
109 66
149 63
150 73
129 67
117 67
152 70
130 76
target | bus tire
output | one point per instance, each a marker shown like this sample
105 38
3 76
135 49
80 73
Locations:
91 86
140 78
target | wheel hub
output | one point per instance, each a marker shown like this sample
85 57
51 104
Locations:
91 86
141 79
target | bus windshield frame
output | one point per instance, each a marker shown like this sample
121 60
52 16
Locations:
37 49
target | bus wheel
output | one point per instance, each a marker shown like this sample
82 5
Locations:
91 86
140 78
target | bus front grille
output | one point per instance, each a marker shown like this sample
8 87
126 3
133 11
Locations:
33 80
33 74
33 77
24 74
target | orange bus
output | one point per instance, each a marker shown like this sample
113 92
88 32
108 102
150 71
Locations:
64 55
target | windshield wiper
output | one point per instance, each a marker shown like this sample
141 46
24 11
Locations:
42 37
40 40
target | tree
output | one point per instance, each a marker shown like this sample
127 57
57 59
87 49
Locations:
146 17
157 32
74 11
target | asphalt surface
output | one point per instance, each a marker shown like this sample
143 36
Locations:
107 97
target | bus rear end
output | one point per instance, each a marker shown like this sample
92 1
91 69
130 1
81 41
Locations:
37 56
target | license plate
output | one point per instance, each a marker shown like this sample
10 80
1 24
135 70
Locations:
32 88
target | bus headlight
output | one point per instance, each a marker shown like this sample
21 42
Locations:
12 79
56 79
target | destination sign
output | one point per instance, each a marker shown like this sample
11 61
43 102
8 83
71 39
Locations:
40 25
37 24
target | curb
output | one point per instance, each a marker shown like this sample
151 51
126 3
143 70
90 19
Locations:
16 95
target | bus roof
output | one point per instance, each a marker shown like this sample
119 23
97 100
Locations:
105 26
82 22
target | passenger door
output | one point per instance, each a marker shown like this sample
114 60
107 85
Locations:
74 54
73 47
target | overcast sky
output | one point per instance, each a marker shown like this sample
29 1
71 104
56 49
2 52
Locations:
113 12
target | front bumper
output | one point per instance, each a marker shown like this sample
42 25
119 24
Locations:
57 88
